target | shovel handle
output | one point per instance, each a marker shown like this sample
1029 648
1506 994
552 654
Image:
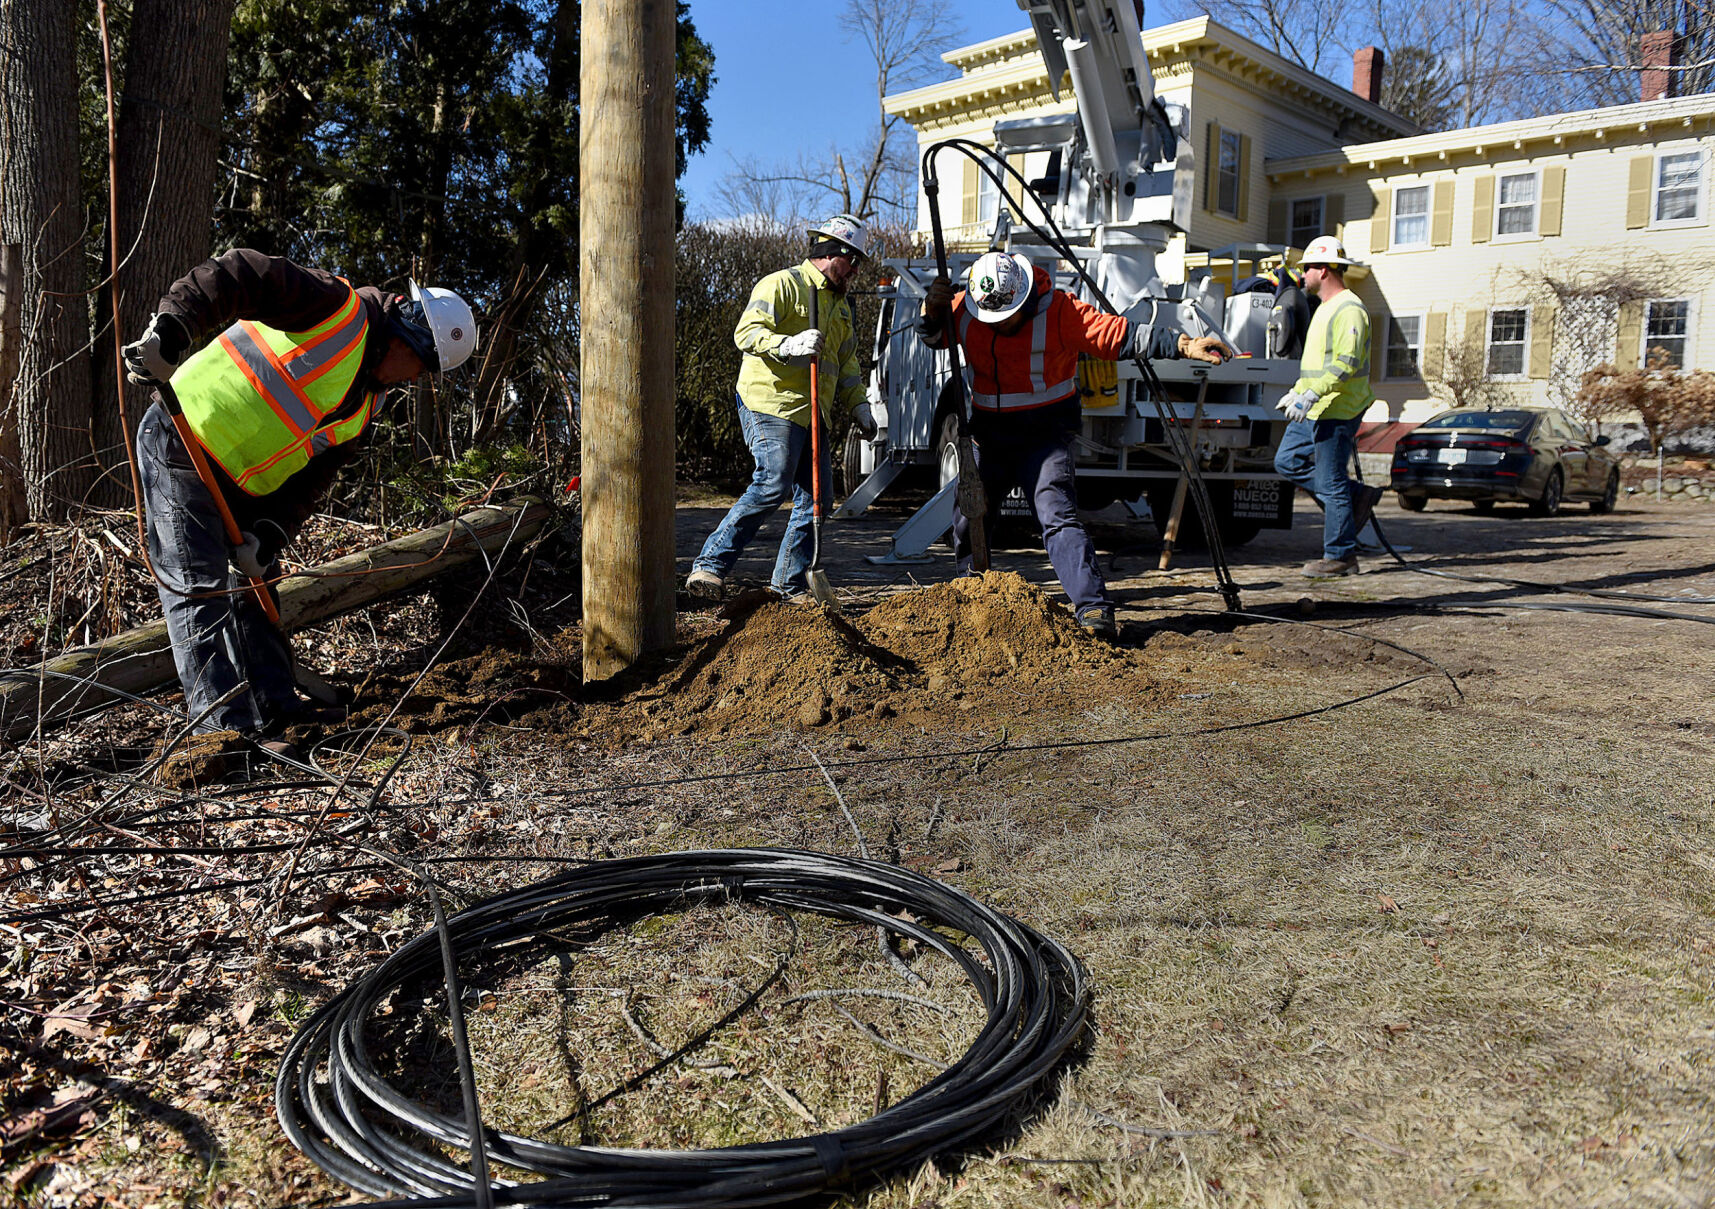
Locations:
199 459
815 438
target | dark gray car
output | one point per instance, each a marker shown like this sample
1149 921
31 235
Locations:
1538 456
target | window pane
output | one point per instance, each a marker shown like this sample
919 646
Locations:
988 199
1517 213
1679 186
1411 216
1306 221
1227 195
1506 342
1403 345
1665 329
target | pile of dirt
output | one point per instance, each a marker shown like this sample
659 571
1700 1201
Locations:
990 625
775 665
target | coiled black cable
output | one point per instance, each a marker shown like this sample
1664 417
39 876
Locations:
362 1130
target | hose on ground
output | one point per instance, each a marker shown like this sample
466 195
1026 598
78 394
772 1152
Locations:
363 1130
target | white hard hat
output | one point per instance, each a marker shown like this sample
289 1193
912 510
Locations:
847 229
450 322
999 284
1325 249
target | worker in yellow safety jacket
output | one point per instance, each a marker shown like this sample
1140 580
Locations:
276 371
780 338
1326 406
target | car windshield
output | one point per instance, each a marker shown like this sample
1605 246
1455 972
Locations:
1499 421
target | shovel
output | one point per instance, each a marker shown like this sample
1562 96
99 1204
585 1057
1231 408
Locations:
820 588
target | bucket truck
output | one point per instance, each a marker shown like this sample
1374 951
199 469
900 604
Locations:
1118 181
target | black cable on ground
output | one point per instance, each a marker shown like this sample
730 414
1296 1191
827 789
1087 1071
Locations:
360 1128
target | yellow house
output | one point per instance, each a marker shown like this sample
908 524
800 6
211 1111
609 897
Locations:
1529 250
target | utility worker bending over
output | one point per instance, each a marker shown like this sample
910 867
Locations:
779 343
276 402
1021 338
1325 407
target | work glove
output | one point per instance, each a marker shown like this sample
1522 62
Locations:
1204 348
938 298
151 359
801 347
1296 405
247 557
863 419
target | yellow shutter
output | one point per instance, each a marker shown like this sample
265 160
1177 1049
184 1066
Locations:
968 211
1553 197
1277 212
1441 215
1380 328
1477 332
1431 358
1244 203
1637 191
1211 166
1627 354
1014 190
1379 220
1334 216
1541 340
1483 210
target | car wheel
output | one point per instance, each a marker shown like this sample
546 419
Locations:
1483 507
1610 495
1549 502
1412 503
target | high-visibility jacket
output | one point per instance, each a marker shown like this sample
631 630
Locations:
1038 364
258 398
779 307
1336 363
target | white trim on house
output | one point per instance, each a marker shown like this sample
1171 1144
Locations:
1699 189
1523 342
1534 231
1688 351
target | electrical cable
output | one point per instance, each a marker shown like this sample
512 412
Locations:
360 1128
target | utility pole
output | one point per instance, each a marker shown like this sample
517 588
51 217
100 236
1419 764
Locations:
625 276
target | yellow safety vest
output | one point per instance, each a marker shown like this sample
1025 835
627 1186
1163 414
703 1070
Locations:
1336 364
257 397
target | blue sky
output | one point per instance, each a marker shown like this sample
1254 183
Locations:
789 82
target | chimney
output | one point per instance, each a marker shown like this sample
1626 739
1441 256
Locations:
1659 52
1367 67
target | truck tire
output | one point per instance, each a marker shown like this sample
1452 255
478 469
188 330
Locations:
849 465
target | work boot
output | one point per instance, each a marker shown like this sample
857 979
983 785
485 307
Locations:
705 585
1364 506
1330 568
1099 621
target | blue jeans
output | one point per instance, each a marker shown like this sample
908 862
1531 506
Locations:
1315 454
1032 450
781 451
218 640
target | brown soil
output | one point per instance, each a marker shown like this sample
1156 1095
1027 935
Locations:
921 655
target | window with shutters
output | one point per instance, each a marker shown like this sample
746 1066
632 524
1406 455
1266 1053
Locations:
1667 326
1411 217
1516 200
1678 188
1509 337
1227 173
1404 346
1305 221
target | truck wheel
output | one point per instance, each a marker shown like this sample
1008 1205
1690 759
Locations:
946 450
850 462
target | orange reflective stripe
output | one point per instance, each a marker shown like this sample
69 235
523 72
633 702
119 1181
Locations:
263 368
327 328
322 352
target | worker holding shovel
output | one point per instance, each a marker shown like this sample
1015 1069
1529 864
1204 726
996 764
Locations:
798 322
245 437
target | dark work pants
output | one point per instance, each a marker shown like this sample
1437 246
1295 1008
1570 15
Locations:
1032 450
218 640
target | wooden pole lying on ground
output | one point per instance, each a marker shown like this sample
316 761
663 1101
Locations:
141 660
625 306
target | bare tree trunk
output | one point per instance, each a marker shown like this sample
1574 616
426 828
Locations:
169 145
41 210
14 507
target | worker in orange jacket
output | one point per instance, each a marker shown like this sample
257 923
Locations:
1021 338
